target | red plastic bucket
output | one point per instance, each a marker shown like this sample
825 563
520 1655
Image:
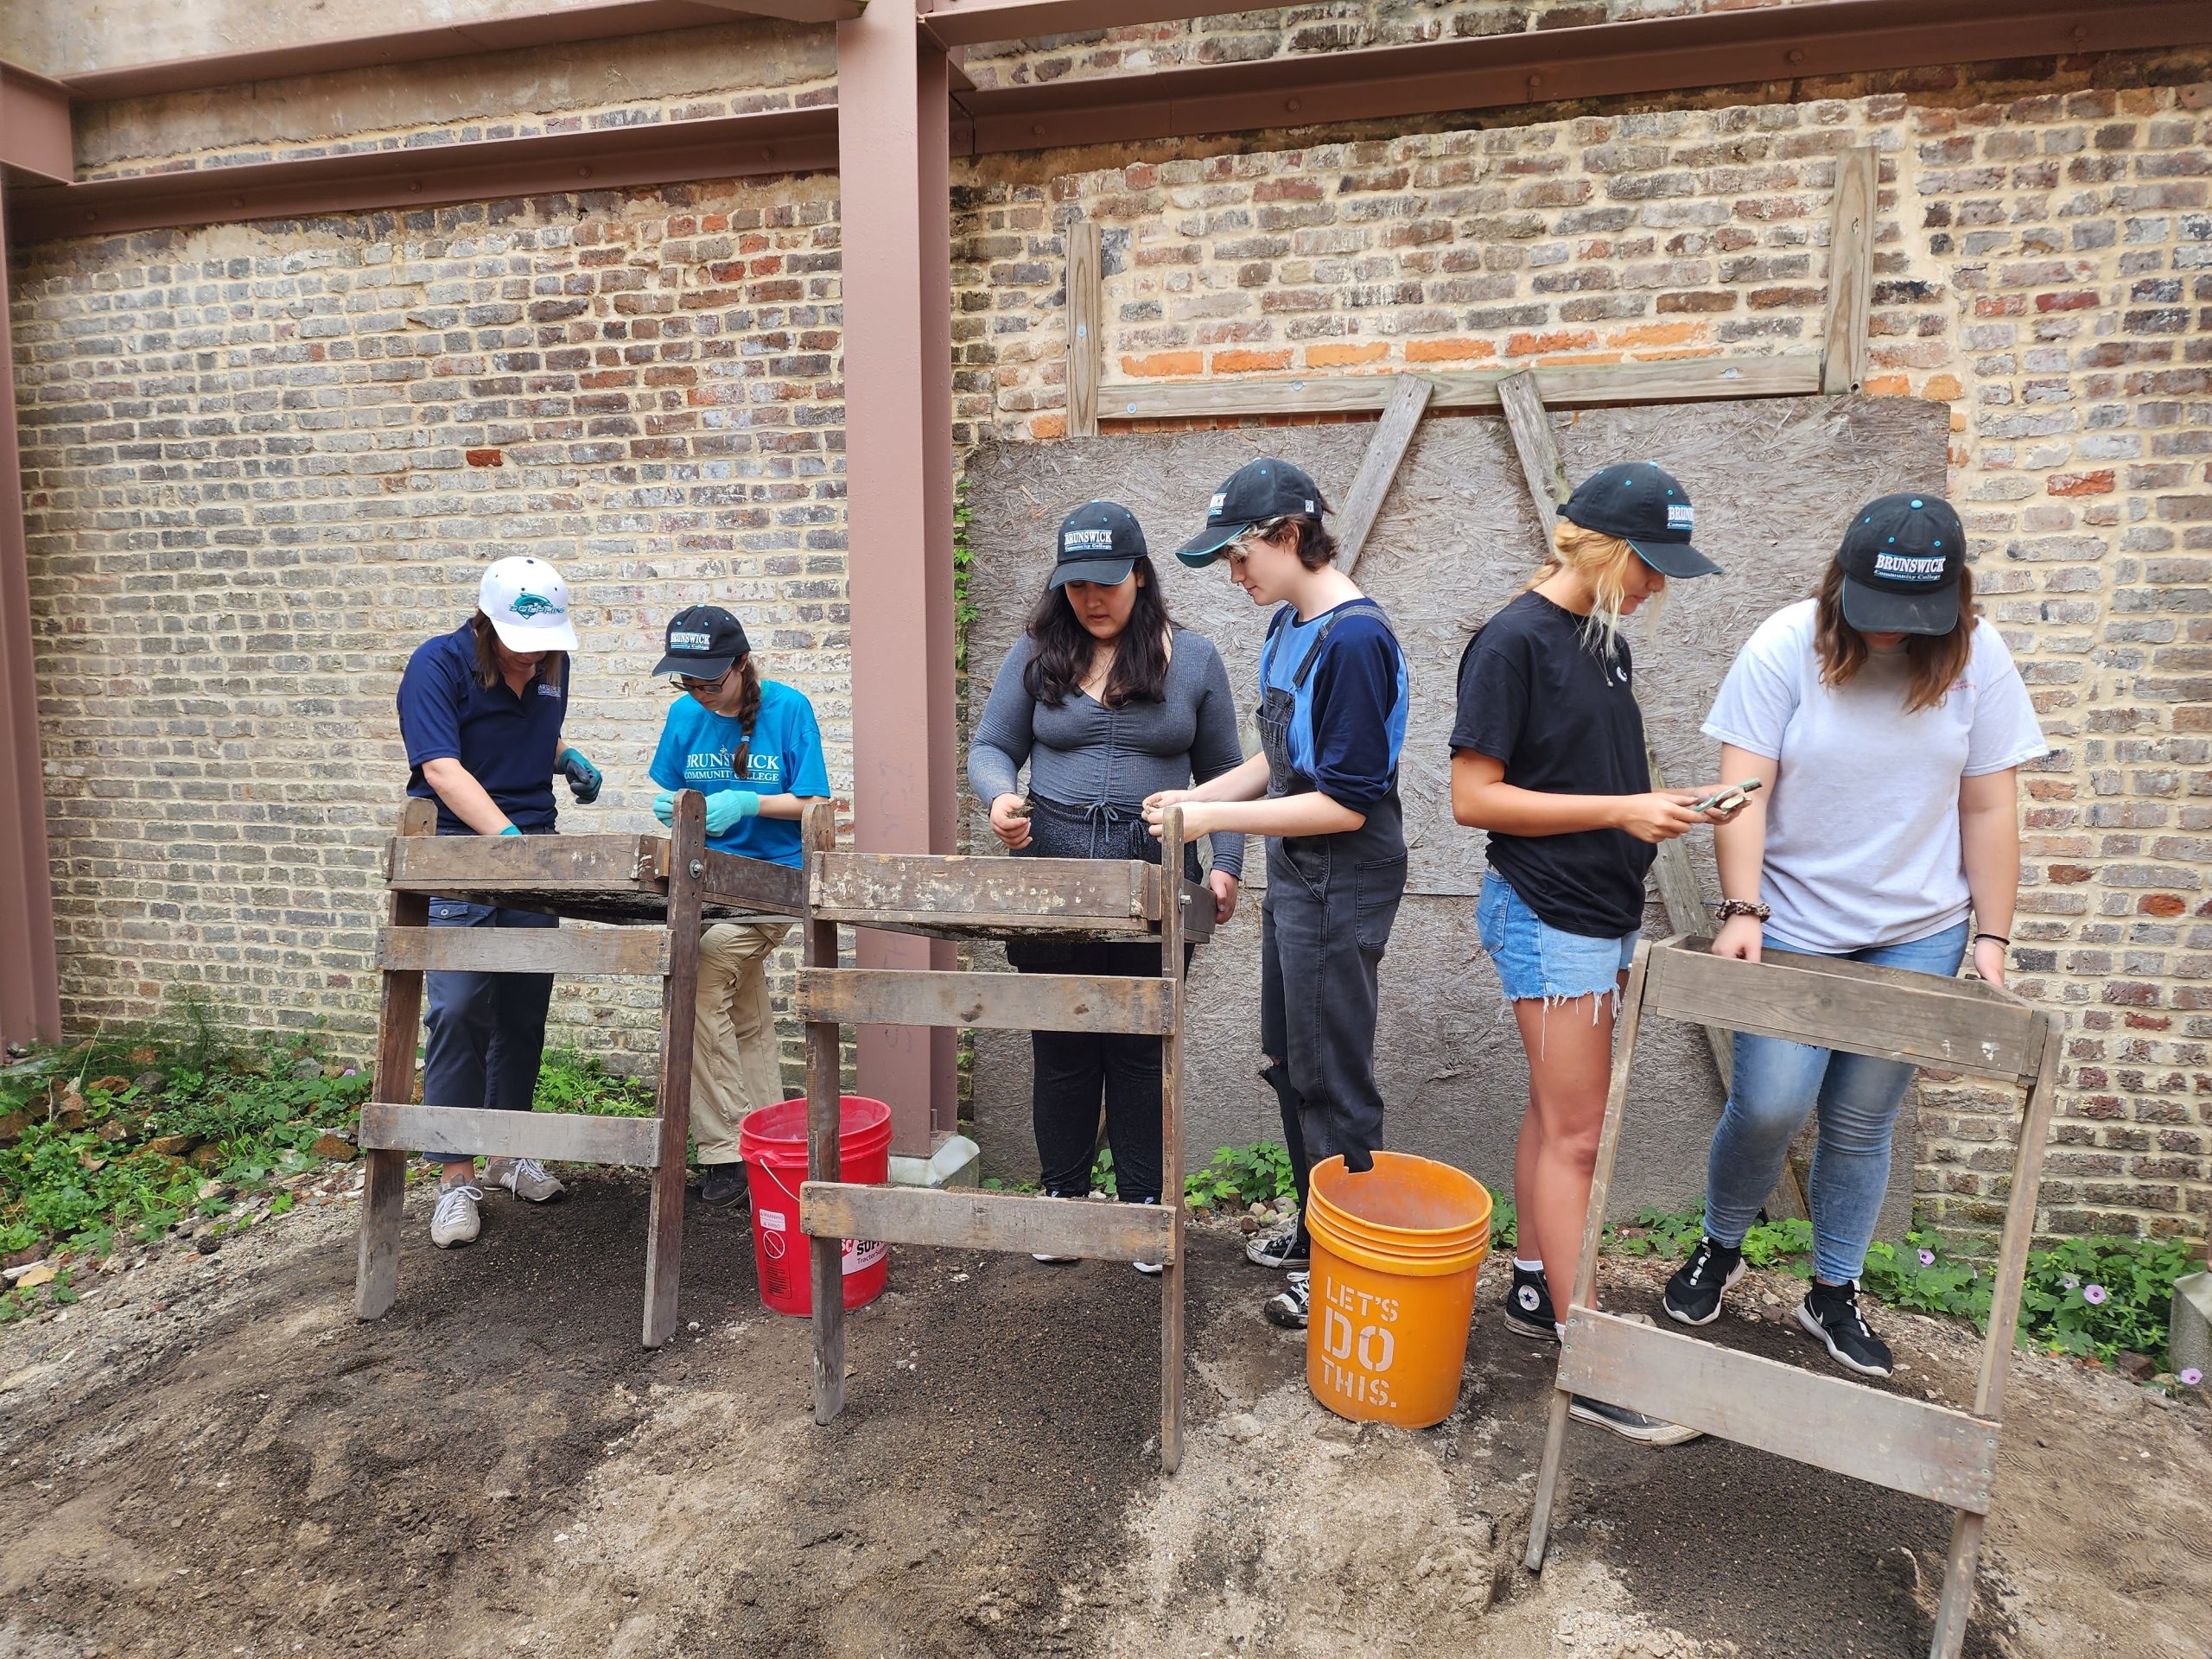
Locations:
772 1143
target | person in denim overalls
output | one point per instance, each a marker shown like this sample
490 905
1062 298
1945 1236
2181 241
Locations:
481 711
1324 791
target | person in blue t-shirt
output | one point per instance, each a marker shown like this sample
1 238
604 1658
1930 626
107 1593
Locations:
751 746
1333 722
481 711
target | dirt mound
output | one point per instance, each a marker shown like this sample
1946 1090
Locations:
209 1456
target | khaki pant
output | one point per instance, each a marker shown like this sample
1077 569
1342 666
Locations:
734 1067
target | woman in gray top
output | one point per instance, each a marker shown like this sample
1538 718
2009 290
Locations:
1107 700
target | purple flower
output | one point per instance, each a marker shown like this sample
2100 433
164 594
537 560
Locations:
2069 1282
1927 1258
2093 1295
348 1072
2191 1376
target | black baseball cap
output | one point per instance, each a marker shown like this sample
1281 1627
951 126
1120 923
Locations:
1901 560
1257 491
703 642
1100 542
1647 507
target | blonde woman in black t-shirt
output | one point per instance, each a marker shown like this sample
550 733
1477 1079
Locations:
1548 755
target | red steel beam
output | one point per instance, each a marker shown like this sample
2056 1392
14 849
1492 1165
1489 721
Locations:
972 22
30 1001
1768 43
35 138
896 236
780 140
609 20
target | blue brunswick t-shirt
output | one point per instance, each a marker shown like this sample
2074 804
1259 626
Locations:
1356 693
507 742
697 748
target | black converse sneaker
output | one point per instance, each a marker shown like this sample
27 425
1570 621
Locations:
1529 1307
1831 1312
1693 1295
1287 1307
1286 1247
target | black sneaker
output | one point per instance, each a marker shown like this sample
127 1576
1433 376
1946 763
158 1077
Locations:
1693 1293
1284 1247
1287 1307
1629 1425
1831 1312
1529 1307
725 1187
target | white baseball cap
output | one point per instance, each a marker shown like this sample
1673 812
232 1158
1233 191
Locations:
528 604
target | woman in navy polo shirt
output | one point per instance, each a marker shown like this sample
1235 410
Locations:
481 711
751 746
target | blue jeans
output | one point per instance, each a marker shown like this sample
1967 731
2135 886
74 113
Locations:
484 1034
1778 1085
1534 959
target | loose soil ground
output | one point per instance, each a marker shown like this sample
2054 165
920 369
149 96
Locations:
209 1456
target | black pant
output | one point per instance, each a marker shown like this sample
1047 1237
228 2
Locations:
1072 1071
1324 925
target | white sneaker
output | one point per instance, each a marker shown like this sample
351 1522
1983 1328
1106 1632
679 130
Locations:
455 1220
525 1178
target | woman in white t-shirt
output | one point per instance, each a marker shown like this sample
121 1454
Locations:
1888 723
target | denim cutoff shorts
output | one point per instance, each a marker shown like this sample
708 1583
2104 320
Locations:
1534 959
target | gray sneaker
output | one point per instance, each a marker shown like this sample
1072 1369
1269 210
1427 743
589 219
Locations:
455 1221
524 1176
1629 1425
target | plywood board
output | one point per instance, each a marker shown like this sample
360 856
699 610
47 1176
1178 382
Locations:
1456 540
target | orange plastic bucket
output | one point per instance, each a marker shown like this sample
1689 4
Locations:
1395 1254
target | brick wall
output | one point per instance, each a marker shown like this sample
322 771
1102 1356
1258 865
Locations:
243 441
2044 265
262 464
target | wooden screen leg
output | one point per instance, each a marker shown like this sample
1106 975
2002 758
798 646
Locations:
826 1256
1540 1524
376 1273
1584 1293
1956 1604
1957 1601
679 1009
1171 1142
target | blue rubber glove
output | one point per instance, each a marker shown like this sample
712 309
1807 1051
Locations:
583 778
664 806
727 808
510 830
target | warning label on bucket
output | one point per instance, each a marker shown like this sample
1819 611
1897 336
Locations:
1359 1342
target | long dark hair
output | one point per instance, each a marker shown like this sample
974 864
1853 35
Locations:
1060 648
1934 661
552 668
748 710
